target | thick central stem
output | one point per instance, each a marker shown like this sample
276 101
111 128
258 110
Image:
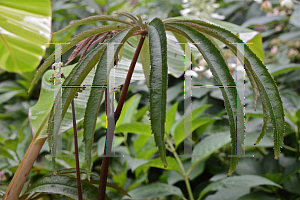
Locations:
105 160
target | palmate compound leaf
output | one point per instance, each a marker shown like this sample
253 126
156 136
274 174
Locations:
220 70
158 83
96 95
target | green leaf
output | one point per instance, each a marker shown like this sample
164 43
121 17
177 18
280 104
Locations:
4 153
209 145
134 127
222 74
128 110
145 59
96 95
72 42
172 164
115 7
25 30
64 185
141 112
276 70
290 171
262 20
140 142
154 190
108 184
93 19
170 119
179 134
158 83
179 130
236 181
255 45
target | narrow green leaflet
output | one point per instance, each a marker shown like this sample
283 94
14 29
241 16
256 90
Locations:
64 185
72 42
24 33
219 69
96 95
93 19
158 83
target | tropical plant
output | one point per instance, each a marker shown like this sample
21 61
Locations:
152 49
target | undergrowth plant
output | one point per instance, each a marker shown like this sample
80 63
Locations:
152 49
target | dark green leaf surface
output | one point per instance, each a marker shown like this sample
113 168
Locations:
154 190
65 185
158 83
236 181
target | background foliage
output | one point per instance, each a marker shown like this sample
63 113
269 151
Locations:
140 172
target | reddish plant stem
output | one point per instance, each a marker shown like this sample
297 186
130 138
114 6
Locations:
76 152
105 160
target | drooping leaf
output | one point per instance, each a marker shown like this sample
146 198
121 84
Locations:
72 42
219 69
93 19
96 95
73 171
258 72
24 32
158 83
76 77
154 190
64 185
236 181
